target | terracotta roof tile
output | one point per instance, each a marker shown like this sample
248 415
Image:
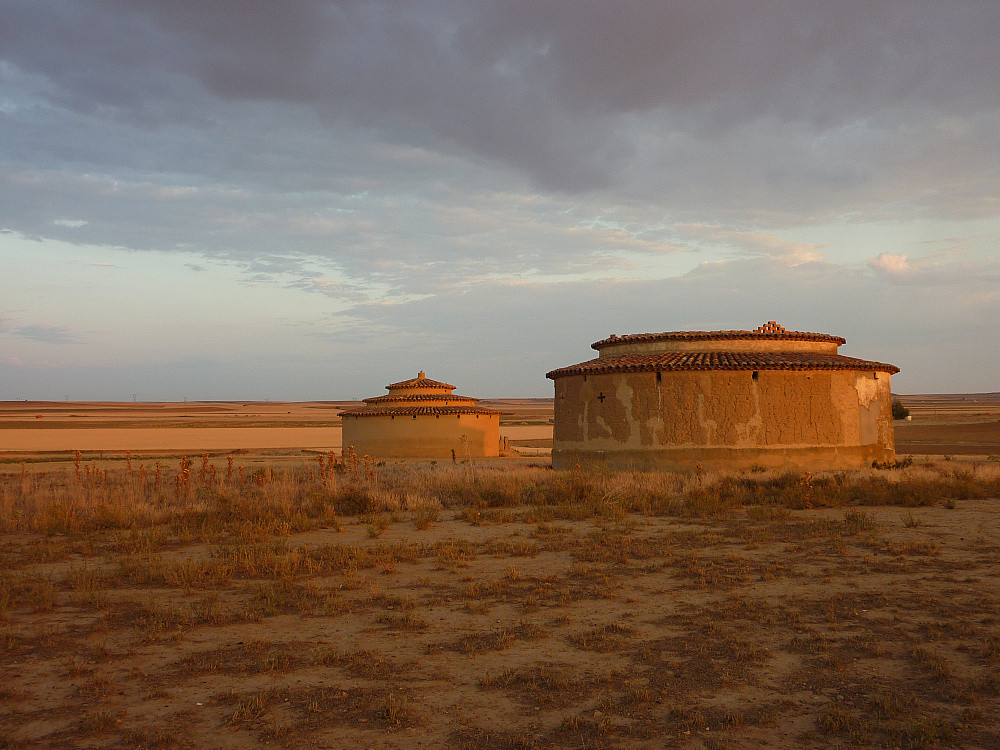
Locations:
403 397
771 332
420 382
416 411
418 404
682 361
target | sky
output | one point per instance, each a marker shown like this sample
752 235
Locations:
310 199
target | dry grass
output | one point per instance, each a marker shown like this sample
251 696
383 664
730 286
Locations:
347 604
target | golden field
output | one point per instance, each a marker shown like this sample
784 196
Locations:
287 598
958 425
59 427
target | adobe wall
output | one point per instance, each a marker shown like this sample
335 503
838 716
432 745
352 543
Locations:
431 436
413 397
414 391
721 344
814 419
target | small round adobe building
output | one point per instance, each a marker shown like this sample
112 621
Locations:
723 400
422 418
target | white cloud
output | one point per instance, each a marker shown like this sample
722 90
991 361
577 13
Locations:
890 264
755 243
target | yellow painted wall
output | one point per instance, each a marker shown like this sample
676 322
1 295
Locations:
424 436
724 419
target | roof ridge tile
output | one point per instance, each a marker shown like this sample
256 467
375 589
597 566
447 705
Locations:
416 411
724 360
770 331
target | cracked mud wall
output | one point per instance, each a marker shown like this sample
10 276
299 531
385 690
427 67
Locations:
735 412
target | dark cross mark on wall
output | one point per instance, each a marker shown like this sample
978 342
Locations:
601 397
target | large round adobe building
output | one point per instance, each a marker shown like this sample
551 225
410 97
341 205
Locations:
422 418
723 399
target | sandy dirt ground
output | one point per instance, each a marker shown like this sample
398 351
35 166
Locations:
441 620
562 626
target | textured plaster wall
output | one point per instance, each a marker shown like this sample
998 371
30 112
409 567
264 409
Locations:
424 436
447 401
742 419
410 391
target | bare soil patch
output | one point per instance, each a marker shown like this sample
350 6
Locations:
959 424
334 603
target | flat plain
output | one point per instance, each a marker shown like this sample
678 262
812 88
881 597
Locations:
53 427
963 424
297 598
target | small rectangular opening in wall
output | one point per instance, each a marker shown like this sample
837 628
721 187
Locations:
659 378
755 375
875 376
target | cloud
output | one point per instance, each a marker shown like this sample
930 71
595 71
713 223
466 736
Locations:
351 293
880 322
45 334
42 333
756 243
440 167
971 284
786 108
890 264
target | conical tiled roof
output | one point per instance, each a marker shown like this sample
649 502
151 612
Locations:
642 355
769 331
421 381
676 361
407 399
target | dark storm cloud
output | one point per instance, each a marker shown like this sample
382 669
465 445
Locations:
753 102
820 62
